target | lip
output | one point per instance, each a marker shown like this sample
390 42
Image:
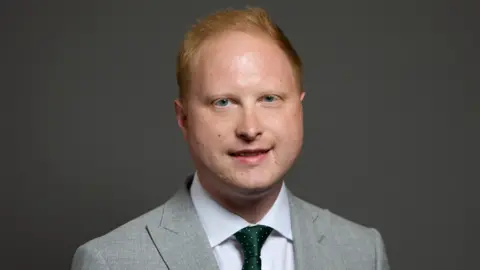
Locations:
250 160
249 150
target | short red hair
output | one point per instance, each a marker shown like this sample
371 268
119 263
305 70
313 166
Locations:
245 20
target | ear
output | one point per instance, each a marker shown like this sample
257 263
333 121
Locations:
302 96
181 115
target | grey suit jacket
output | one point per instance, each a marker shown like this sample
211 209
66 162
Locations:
171 237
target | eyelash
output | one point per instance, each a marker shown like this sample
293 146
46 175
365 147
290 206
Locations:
275 98
220 99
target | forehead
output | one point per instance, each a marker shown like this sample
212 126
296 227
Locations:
234 56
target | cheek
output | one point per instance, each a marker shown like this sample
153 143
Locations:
208 132
285 126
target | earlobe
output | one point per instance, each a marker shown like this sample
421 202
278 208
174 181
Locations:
302 96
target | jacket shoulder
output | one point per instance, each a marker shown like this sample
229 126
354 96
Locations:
128 243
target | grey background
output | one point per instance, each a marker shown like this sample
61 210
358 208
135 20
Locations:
90 139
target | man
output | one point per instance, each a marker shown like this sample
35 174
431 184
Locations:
240 111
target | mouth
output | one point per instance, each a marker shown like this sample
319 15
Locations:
249 152
250 156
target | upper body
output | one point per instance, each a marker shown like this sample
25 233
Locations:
240 110
172 236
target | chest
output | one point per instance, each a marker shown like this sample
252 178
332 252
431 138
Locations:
276 254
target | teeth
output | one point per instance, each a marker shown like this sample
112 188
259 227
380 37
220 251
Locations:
243 154
249 154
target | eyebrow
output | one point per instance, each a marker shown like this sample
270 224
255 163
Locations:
265 91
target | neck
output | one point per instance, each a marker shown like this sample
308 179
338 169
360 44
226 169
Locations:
251 206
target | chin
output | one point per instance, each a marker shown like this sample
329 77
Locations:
257 184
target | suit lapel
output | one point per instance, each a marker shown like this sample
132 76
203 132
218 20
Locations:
179 236
183 244
310 237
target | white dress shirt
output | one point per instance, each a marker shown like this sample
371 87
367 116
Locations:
220 225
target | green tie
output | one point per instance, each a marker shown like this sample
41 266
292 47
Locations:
252 239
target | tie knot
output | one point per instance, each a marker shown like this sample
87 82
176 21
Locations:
252 239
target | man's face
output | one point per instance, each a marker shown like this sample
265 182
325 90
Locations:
243 116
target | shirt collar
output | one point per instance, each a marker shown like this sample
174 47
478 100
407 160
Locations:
220 224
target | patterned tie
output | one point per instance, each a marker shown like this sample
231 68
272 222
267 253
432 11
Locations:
252 239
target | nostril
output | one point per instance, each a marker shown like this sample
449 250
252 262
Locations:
249 135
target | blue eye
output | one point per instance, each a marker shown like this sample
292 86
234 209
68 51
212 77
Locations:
270 98
221 102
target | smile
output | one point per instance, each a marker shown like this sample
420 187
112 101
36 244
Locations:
250 157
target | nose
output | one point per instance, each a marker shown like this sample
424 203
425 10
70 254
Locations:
249 128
